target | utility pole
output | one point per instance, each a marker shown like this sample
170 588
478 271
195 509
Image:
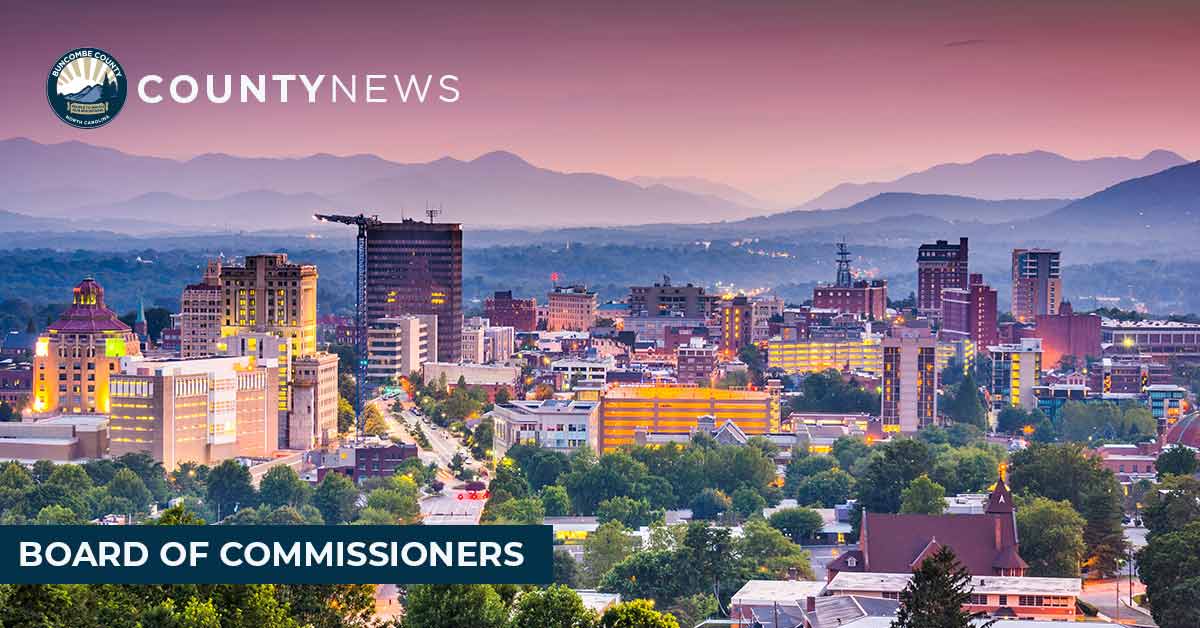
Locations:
364 223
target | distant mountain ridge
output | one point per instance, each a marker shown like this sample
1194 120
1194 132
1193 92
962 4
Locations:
705 187
1164 205
497 188
895 204
1035 174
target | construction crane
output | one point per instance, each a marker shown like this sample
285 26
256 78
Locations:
363 222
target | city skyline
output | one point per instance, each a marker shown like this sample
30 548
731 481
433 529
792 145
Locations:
780 101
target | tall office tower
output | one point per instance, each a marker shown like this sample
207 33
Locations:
502 310
570 308
272 295
970 314
737 320
1016 369
397 346
848 295
75 356
202 410
1036 283
940 265
415 267
910 380
200 310
664 299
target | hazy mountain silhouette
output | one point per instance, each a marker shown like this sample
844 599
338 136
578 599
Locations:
1036 174
1163 206
497 188
705 187
898 204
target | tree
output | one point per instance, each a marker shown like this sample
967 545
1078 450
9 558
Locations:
636 614
128 486
1169 565
281 486
747 503
632 513
825 489
398 498
923 496
346 415
453 605
964 406
848 449
889 470
150 471
555 501
605 547
229 487
828 391
556 606
693 609
1051 534
1067 471
935 596
55 515
178 515
1013 420
768 550
566 569
1106 420
710 504
336 498
522 511
797 523
38 606
1174 505
373 423
1176 461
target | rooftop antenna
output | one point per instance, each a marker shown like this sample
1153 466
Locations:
432 212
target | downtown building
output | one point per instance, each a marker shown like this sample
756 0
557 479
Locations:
940 265
415 268
1016 371
502 310
1036 283
737 325
397 346
77 354
970 314
910 380
665 299
271 295
868 298
202 410
626 411
554 424
854 351
570 308
201 310
696 363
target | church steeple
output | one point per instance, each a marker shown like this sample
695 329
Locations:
1000 500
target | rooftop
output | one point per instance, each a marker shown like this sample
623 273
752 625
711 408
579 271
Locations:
768 591
1008 585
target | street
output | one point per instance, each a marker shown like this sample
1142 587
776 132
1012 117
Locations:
454 506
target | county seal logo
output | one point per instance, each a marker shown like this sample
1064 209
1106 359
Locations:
86 88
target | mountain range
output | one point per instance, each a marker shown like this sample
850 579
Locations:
218 192
1036 174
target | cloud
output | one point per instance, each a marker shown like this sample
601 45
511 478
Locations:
972 42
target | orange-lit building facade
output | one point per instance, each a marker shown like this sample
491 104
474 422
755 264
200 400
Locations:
737 325
625 410
76 355
270 294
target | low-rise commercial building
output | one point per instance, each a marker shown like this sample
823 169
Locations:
1021 597
490 378
624 410
397 346
553 424
63 438
858 351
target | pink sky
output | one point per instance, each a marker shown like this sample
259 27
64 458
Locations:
782 99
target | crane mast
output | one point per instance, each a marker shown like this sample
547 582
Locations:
364 223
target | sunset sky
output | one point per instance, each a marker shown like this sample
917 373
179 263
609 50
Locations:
781 99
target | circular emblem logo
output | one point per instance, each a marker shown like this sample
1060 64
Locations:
86 88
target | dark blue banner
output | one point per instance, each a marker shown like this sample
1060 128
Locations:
276 554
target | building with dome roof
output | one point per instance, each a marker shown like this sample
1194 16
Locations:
76 354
